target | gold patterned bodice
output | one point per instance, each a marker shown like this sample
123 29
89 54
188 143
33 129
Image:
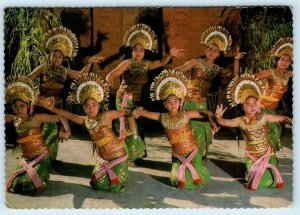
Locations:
134 79
200 86
52 82
30 138
275 87
179 132
255 135
109 146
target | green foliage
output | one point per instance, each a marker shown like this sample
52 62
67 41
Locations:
256 30
24 28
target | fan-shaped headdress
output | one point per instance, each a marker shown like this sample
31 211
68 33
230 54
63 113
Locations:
169 82
88 86
140 33
61 39
19 87
217 35
240 88
283 46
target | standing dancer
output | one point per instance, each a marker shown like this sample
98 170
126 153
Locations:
203 71
261 162
111 170
61 43
187 169
276 85
32 173
134 75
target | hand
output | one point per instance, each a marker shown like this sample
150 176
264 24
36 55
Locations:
125 133
137 112
286 120
201 74
95 59
240 55
64 135
214 129
178 53
220 111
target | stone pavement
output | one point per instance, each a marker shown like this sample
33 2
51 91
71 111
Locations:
148 185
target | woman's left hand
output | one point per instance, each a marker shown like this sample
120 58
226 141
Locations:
175 52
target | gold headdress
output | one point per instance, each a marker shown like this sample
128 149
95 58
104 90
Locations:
169 82
140 33
240 88
61 39
20 87
217 35
283 46
88 86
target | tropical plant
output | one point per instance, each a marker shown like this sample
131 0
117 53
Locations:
255 30
24 28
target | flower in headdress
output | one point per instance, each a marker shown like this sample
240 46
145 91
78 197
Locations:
240 88
88 86
142 34
169 82
19 87
284 46
217 36
61 39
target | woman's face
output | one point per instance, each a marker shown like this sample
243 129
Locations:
91 108
20 108
138 52
284 62
172 103
251 106
56 58
212 52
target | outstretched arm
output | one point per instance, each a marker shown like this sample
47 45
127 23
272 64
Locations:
225 122
187 66
264 74
236 65
9 118
174 52
278 118
94 59
73 117
147 114
36 72
117 72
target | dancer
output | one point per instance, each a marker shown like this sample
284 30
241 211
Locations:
203 71
134 76
261 162
111 170
61 43
276 85
32 173
187 169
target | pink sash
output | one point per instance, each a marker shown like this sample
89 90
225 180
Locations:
122 119
32 173
258 169
186 163
107 166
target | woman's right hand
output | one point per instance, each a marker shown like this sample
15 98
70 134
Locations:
137 112
220 111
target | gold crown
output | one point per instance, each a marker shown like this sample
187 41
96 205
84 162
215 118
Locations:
284 46
88 86
169 82
217 35
142 34
240 88
19 87
61 39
